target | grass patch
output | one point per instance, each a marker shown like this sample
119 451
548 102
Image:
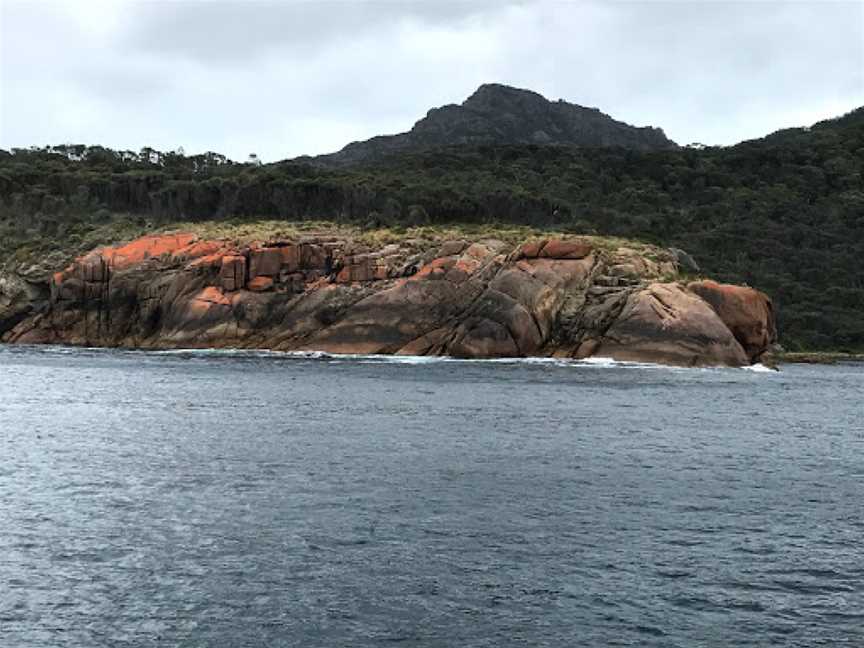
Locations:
46 253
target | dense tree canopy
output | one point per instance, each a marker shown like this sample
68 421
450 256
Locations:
784 213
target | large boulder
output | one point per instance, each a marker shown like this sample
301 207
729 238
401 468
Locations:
747 312
479 337
684 261
555 249
664 323
18 298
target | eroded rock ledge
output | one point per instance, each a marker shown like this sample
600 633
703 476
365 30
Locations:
475 299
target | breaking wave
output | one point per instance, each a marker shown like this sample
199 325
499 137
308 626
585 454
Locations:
364 358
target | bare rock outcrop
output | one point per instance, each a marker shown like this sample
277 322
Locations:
563 297
747 312
665 323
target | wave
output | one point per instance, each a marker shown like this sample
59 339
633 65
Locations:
596 362
760 368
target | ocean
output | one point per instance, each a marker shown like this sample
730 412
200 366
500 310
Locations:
233 499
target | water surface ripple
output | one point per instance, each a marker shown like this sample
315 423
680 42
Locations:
232 500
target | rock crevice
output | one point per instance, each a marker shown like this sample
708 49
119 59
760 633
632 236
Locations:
563 297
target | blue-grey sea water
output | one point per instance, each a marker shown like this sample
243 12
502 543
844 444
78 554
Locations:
252 499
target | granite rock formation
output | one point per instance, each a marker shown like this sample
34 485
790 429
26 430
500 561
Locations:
474 299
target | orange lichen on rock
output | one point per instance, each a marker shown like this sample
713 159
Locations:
556 249
260 284
207 299
213 295
360 267
210 260
464 267
484 298
97 266
531 249
436 267
146 247
198 249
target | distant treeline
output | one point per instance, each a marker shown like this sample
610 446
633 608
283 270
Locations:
784 213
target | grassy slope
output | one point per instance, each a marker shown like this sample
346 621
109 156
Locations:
50 253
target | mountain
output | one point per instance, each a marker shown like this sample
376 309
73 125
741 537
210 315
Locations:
500 114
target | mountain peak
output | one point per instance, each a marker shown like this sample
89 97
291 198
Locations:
490 94
501 114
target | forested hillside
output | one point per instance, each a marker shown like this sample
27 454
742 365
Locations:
784 213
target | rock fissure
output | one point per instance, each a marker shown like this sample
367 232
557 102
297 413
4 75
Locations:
566 297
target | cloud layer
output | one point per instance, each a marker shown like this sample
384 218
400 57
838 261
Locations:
285 78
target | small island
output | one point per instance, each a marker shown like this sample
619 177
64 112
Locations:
423 292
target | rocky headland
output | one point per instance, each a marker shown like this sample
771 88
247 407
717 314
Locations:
426 295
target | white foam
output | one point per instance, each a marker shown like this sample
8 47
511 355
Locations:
608 363
760 368
595 362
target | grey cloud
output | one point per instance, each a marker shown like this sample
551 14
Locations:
283 79
222 30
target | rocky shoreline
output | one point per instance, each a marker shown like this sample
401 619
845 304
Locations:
561 297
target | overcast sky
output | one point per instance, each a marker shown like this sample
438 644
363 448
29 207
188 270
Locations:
285 78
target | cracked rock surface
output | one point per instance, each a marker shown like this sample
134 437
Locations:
473 299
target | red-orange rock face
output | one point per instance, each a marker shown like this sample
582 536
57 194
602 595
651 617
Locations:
148 247
565 250
260 284
419 297
357 268
748 313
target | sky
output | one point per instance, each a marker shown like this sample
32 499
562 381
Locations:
282 78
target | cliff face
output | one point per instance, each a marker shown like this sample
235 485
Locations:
499 114
474 299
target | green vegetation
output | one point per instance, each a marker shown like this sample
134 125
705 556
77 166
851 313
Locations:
815 357
784 213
